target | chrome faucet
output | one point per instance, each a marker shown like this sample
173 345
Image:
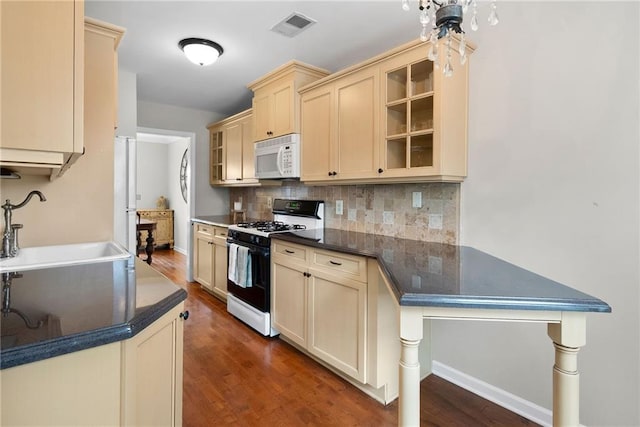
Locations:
10 246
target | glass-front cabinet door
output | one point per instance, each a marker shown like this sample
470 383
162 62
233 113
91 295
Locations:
424 117
409 116
216 156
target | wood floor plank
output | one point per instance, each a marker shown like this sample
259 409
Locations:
233 376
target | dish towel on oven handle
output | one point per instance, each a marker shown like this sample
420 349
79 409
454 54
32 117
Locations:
240 271
232 271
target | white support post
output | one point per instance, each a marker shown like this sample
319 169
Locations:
568 336
409 393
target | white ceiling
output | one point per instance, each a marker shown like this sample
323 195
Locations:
346 33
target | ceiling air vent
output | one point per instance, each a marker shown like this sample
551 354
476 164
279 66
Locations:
293 25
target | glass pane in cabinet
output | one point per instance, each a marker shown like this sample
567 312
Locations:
397 85
421 77
397 119
397 153
422 114
218 172
421 151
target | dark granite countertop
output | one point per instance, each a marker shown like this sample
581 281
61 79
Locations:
440 275
81 306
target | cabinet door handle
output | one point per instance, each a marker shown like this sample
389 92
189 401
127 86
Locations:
238 179
289 252
335 262
305 274
380 170
184 315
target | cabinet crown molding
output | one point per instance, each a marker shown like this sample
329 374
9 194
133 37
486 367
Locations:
286 69
471 47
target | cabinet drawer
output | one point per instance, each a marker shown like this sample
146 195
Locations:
290 250
345 265
220 236
205 229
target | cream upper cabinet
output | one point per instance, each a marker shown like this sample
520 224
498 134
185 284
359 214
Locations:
317 126
231 159
42 94
424 117
232 133
216 155
276 103
356 112
340 128
389 119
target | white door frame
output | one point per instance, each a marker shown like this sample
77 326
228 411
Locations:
191 187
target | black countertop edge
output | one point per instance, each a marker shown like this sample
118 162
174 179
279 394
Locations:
68 344
503 303
154 312
493 301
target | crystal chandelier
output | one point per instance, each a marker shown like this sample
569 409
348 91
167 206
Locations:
447 16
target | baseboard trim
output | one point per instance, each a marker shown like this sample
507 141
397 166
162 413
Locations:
180 250
507 400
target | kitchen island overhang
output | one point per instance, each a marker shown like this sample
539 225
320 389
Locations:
439 281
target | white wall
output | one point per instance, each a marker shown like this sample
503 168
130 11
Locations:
208 200
553 187
127 104
152 173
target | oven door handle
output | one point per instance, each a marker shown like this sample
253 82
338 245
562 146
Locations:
253 249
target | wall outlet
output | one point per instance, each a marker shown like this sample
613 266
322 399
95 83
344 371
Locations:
269 202
417 199
339 207
435 221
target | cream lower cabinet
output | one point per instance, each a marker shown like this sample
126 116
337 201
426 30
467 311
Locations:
131 383
319 303
210 258
152 373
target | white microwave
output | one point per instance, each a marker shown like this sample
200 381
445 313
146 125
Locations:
278 157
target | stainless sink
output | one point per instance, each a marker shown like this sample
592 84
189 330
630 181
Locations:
60 255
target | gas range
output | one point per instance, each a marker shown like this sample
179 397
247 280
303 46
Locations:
288 215
250 256
265 228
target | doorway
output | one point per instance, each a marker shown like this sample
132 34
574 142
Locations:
166 168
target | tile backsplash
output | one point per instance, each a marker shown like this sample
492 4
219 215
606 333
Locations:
381 209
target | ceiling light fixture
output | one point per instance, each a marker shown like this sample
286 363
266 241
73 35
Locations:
200 51
447 16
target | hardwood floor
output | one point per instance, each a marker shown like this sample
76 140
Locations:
234 376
